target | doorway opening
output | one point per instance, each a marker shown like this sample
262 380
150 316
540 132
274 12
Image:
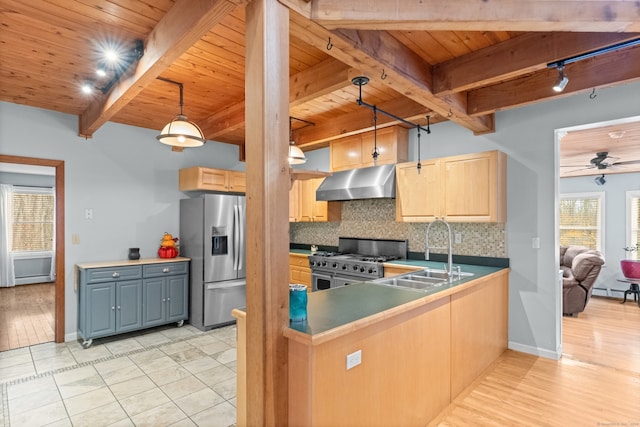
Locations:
59 250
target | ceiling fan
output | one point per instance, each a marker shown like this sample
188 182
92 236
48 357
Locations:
603 161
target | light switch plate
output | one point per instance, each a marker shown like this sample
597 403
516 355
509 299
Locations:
458 238
535 243
354 359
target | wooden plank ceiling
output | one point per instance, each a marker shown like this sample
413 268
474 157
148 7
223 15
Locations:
459 63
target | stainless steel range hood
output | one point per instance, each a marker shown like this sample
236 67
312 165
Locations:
374 182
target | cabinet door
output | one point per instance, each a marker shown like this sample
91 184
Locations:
177 298
346 153
100 309
417 195
128 305
385 141
294 202
471 187
310 208
153 301
237 181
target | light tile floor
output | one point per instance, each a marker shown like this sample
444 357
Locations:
166 376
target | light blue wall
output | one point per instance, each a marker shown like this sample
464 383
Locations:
128 178
615 220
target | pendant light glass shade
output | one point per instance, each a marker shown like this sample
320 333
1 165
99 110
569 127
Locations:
296 156
181 133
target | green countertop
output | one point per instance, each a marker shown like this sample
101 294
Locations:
333 308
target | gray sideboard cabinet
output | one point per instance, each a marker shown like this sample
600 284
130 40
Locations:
125 296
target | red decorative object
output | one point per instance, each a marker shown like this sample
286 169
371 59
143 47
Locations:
167 252
630 268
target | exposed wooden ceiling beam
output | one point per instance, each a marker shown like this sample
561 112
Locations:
473 15
378 52
321 79
361 120
517 56
606 70
186 23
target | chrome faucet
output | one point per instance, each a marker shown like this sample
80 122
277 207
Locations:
449 249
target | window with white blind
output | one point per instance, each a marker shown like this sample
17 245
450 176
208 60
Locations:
633 223
582 219
33 219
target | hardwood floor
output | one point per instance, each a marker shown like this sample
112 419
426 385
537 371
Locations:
596 383
26 315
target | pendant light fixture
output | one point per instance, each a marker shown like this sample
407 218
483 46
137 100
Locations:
296 156
180 132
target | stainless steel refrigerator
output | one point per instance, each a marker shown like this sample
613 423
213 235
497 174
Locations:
212 234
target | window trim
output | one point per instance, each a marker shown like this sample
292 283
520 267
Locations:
590 195
630 194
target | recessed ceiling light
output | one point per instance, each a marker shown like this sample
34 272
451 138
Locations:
111 55
101 72
617 134
87 88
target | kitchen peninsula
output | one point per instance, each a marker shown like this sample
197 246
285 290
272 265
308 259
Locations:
417 350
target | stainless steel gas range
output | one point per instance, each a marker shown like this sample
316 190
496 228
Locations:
356 260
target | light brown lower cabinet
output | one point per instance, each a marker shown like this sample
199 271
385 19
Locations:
299 270
416 359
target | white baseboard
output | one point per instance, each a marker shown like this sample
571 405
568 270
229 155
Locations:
536 351
71 337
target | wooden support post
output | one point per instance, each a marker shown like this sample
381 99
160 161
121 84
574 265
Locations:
267 133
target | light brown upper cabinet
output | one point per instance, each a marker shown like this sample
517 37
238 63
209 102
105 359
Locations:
303 206
355 151
466 188
207 179
294 202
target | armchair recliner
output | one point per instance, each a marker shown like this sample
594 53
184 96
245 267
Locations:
580 269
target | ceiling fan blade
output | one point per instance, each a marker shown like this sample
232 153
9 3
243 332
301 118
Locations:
628 162
577 166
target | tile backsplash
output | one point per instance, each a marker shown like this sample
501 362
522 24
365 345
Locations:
375 219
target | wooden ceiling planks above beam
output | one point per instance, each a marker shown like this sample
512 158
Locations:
185 23
438 15
378 53
361 120
321 79
520 55
605 70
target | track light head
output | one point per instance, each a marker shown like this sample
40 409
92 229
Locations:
562 81
600 180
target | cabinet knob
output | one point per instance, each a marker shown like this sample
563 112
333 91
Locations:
118 307
113 308
166 270
115 275
164 299
168 299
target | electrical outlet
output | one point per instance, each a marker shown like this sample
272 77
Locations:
458 238
88 213
354 359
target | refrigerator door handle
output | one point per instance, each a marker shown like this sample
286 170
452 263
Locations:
241 241
236 237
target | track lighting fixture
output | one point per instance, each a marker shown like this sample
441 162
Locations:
180 132
600 180
562 81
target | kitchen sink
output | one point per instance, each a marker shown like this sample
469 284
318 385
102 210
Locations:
408 283
422 280
440 274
